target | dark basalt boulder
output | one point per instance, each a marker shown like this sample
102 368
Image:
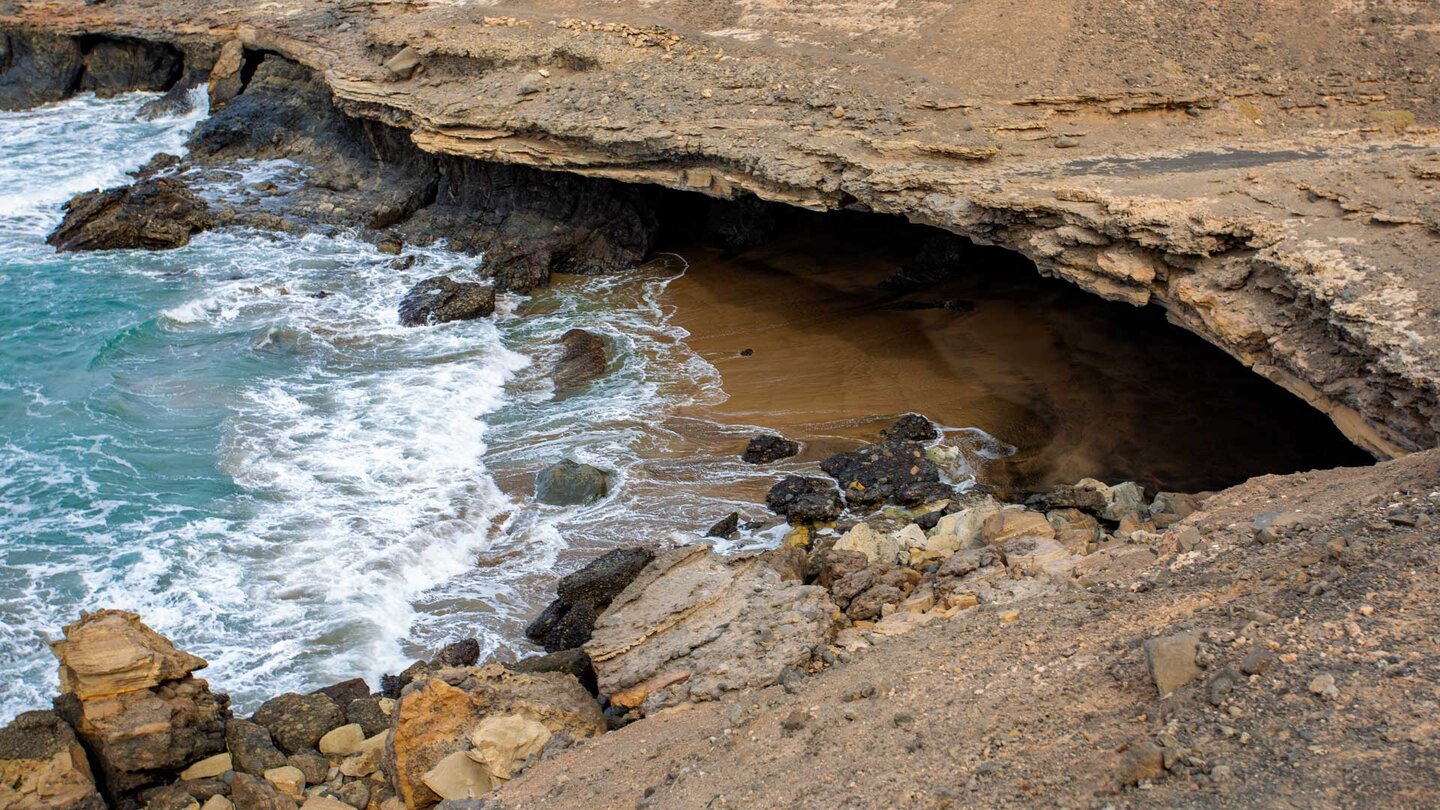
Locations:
345 691
585 358
155 213
912 427
574 662
876 473
805 500
462 653
440 299
568 621
725 527
251 748
767 448
568 483
175 103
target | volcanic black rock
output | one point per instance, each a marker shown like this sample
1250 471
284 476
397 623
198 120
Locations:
568 620
156 213
805 500
440 299
877 472
767 448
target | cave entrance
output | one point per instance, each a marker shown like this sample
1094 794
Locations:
826 326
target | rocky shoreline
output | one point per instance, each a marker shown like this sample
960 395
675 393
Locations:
360 103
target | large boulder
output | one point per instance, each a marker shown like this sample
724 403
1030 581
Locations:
155 213
567 622
585 358
297 722
437 718
695 625
803 499
129 695
569 483
251 748
43 767
440 299
876 473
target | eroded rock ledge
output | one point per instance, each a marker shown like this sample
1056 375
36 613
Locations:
1296 227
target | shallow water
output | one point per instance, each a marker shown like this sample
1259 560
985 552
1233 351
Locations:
237 439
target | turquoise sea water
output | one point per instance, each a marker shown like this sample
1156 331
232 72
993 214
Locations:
238 440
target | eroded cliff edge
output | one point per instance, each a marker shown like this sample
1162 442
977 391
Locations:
1271 179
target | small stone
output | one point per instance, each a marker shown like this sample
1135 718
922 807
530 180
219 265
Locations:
1066 142
343 741
794 721
1144 762
1257 661
403 64
1171 660
1222 773
288 780
205 768
1010 616
1324 686
217 802
837 113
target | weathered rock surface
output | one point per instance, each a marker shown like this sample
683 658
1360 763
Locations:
297 722
43 767
441 299
37 68
584 359
129 695
804 499
875 473
157 213
566 623
569 483
435 719
768 448
694 626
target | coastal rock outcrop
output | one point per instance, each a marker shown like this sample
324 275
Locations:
805 499
569 483
156 213
441 299
567 622
584 359
876 473
37 68
767 448
43 767
440 717
694 625
129 695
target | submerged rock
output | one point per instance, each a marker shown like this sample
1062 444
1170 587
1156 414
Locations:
767 448
440 299
567 622
805 500
155 213
43 767
695 625
584 359
568 483
129 695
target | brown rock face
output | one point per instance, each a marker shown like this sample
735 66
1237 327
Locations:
130 696
435 719
722 625
157 213
43 767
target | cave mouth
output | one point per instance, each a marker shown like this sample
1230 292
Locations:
824 326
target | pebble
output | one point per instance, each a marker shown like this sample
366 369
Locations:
1324 686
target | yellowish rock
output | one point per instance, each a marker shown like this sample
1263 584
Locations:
912 536
217 802
323 803
902 622
208 767
366 759
111 652
1009 524
503 743
342 741
288 780
876 546
457 776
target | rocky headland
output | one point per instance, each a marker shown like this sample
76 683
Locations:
1269 178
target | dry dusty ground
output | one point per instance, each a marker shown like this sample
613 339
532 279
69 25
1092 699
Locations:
979 711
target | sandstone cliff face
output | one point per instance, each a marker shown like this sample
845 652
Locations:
1274 194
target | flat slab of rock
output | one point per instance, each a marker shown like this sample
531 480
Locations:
695 625
1171 660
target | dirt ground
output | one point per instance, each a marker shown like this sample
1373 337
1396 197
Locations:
1040 703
